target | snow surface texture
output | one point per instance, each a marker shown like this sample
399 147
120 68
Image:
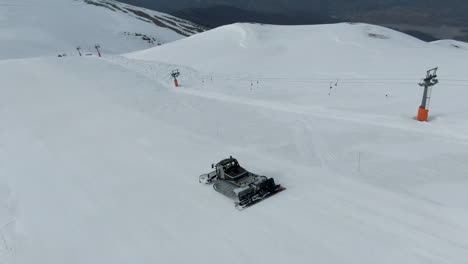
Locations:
100 157
30 28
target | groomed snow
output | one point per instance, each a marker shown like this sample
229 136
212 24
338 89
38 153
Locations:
100 157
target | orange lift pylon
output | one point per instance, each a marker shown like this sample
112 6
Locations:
175 74
97 47
427 83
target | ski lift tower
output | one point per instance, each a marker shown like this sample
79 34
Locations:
175 74
427 83
97 46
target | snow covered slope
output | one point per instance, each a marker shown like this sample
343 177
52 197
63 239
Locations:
451 44
51 27
100 157
298 50
295 60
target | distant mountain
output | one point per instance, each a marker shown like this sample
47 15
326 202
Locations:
451 11
222 15
428 19
180 26
30 28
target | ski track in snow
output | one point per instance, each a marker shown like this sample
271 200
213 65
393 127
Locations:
7 223
99 163
401 227
314 150
320 112
153 71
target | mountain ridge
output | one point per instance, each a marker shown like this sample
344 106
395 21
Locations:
31 28
435 19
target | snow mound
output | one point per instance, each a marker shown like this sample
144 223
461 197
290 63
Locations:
256 46
450 43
